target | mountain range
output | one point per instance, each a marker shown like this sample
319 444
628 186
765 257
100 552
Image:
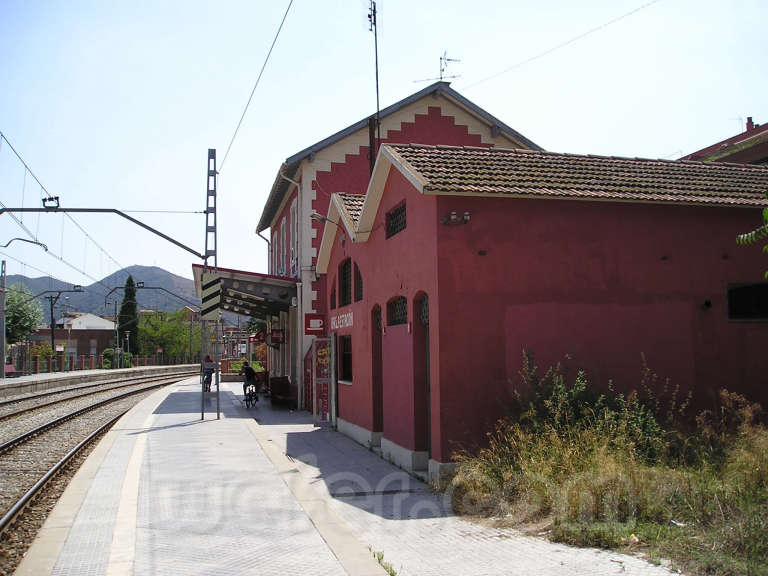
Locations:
162 291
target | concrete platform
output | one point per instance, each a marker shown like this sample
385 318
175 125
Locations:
263 491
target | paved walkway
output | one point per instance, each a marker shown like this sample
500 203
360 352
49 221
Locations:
264 492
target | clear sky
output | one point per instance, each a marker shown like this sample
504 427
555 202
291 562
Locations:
115 104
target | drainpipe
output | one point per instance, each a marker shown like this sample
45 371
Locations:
298 332
269 248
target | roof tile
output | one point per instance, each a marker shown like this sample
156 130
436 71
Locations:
456 170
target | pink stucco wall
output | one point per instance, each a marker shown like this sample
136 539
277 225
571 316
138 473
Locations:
602 282
403 265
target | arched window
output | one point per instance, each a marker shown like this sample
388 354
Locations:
397 311
358 284
345 282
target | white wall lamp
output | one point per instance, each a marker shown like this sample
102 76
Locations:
453 218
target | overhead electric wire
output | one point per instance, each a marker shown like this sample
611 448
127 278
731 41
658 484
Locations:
2 136
163 211
263 66
20 223
34 236
94 241
48 274
562 44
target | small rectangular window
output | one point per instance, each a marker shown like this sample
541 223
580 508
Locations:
396 220
345 358
748 302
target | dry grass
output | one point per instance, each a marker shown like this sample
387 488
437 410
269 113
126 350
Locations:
600 473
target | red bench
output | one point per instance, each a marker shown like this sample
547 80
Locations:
10 371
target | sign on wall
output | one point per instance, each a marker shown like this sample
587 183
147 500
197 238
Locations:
321 353
278 336
346 320
314 324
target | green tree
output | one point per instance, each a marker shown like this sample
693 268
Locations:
756 235
256 325
128 317
22 314
171 332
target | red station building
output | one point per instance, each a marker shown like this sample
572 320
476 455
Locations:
457 259
404 294
301 193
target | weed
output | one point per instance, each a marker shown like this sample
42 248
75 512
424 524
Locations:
384 564
627 472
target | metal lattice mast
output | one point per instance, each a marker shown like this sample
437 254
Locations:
210 250
210 210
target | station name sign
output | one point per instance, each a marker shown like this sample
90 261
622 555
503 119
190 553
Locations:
342 321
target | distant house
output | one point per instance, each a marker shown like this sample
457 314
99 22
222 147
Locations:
79 334
191 314
749 147
457 259
84 321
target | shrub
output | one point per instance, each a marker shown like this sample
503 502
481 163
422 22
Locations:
614 470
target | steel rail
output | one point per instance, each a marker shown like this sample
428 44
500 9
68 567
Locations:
4 447
106 384
21 504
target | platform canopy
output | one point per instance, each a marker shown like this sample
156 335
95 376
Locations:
250 293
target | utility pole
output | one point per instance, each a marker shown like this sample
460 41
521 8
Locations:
116 356
2 317
52 300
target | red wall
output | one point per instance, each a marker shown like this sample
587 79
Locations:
397 375
403 265
352 175
603 282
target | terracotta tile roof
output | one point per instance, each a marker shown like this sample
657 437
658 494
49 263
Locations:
353 204
454 170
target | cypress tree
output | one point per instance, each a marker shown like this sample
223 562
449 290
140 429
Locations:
128 318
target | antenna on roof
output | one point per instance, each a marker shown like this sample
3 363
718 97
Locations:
443 67
372 28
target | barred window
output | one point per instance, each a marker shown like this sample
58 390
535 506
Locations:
345 283
333 295
397 311
424 310
396 220
748 302
345 358
358 284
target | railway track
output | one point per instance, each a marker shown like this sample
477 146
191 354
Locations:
33 459
24 413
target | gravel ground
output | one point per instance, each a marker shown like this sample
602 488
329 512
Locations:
22 466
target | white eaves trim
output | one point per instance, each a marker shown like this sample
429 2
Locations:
386 158
336 218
